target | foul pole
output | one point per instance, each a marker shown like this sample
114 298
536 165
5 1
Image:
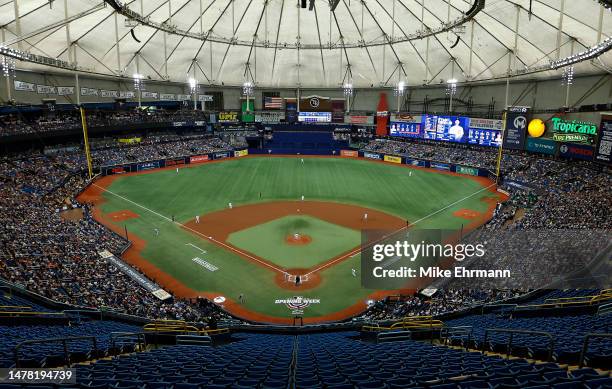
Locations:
501 148
86 141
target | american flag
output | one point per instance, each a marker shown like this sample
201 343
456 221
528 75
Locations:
273 102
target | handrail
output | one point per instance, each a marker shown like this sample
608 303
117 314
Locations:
585 345
604 309
51 340
551 343
15 307
461 330
142 339
26 313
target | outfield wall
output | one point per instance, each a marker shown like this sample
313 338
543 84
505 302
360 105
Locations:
170 162
346 153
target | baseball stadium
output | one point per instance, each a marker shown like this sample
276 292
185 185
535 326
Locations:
324 194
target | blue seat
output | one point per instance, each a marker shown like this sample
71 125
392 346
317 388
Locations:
474 384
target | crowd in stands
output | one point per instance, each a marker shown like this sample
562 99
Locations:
57 256
556 221
434 151
443 301
14 124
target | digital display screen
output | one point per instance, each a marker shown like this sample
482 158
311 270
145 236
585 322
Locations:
484 137
446 128
315 117
404 129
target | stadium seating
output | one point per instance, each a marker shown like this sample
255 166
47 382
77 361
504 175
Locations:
52 354
330 360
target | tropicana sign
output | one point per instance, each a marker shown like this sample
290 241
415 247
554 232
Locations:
573 131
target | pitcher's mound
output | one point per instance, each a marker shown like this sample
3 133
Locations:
297 239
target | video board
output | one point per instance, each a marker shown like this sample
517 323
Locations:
405 129
446 128
315 117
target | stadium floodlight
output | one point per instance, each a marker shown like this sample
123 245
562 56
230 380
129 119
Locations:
568 76
400 89
348 89
138 81
193 85
248 89
7 66
451 87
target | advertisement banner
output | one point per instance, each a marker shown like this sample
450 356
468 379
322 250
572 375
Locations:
221 155
89 92
205 98
603 150
541 145
118 170
349 153
108 93
241 153
392 159
148 165
127 94
167 96
24 86
130 140
315 104
516 127
46 90
573 131
198 158
371 155
149 95
468 170
486 124
570 150
65 90
269 117
440 166
359 119
228 117
183 97
415 162
175 161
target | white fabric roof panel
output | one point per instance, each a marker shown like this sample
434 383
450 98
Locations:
374 30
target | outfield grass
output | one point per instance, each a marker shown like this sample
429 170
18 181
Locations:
209 187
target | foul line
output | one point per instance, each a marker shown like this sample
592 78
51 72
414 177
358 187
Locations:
209 238
360 249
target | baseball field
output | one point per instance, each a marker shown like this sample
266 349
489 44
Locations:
242 229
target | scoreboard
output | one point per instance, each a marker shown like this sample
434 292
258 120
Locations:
455 129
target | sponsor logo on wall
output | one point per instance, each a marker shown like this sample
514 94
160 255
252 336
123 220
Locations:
349 153
24 86
392 159
517 119
470 171
241 153
440 166
198 158
371 155
603 151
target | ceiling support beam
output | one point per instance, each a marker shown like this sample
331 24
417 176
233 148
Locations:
117 47
17 25
560 29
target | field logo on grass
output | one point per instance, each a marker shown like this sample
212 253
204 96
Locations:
297 304
206 265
